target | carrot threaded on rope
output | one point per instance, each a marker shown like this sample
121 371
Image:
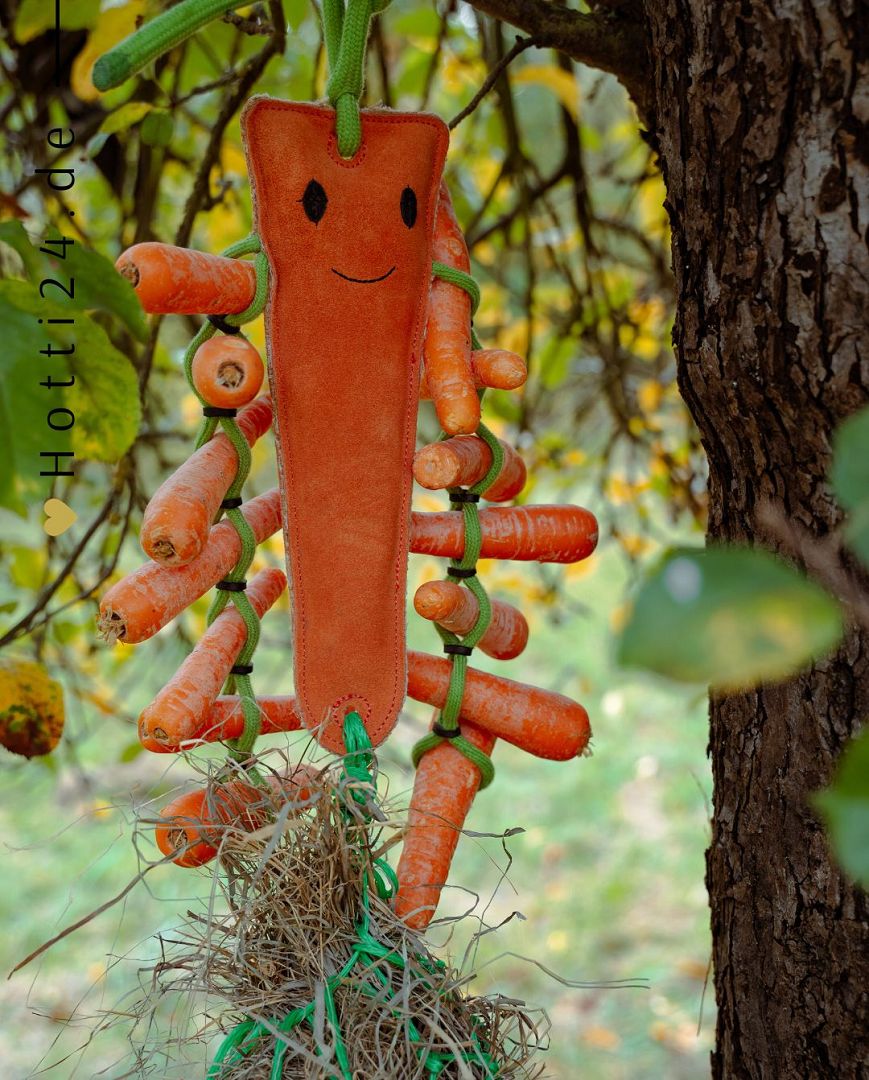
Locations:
463 461
443 791
495 369
447 346
179 710
143 602
225 721
227 371
194 824
560 534
173 280
541 722
181 512
456 608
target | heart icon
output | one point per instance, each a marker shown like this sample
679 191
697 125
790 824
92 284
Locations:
58 517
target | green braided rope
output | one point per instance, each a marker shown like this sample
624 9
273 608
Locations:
155 38
243 746
346 34
367 954
449 714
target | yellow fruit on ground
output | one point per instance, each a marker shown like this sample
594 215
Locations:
31 708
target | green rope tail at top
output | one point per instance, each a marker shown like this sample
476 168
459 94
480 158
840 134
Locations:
346 34
157 37
449 715
241 684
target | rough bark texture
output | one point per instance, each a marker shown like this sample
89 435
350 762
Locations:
758 110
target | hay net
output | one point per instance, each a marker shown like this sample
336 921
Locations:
313 974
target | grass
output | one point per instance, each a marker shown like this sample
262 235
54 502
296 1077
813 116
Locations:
606 880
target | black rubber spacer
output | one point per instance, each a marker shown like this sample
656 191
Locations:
219 323
231 586
458 650
215 410
445 733
241 669
232 504
464 497
458 572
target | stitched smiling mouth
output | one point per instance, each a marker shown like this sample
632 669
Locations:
364 280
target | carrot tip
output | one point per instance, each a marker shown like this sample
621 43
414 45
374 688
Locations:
111 626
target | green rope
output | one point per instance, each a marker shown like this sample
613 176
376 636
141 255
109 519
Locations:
155 38
449 714
241 684
346 34
366 959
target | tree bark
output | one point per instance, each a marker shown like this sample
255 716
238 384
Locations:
757 119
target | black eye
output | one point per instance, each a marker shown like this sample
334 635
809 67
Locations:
314 201
408 207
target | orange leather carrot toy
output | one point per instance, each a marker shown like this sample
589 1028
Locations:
363 274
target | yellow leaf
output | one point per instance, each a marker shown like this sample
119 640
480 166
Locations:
112 26
560 82
649 395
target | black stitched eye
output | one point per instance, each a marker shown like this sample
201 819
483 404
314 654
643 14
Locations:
408 207
314 201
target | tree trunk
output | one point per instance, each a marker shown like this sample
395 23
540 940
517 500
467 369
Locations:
757 110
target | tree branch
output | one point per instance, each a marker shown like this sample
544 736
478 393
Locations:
610 39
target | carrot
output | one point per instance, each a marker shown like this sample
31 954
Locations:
143 602
179 710
225 720
179 516
447 347
543 723
562 534
227 371
456 608
497 369
443 791
194 823
178 281
463 461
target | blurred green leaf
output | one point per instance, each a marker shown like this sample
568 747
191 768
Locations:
15 235
35 17
157 128
844 806
850 471
295 11
728 616
850 477
126 116
105 398
130 752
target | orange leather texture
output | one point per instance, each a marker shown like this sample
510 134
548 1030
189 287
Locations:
344 323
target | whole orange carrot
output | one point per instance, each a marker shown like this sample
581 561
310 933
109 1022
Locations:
179 516
561 534
143 602
496 369
456 608
463 461
545 724
179 710
227 371
447 347
443 791
173 280
538 721
194 823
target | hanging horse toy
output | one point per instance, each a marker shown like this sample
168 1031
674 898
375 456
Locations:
363 274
